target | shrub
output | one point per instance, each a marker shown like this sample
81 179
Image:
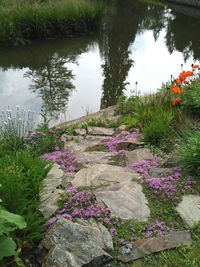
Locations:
189 153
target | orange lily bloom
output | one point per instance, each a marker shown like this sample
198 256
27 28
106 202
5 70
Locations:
195 66
175 89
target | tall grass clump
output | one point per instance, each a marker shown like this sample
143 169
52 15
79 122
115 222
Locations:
189 151
23 20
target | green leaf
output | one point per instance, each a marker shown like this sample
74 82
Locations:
7 247
10 221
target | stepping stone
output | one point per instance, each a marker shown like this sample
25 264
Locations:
125 200
78 244
101 131
94 157
81 132
141 248
103 174
138 155
84 143
129 144
189 209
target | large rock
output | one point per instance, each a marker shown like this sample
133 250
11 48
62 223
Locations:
103 174
94 157
50 192
189 209
138 155
144 247
125 201
101 131
76 244
116 189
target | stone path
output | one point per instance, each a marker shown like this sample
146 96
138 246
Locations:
116 187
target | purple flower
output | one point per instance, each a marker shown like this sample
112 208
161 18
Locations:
72 190
113 231
62 158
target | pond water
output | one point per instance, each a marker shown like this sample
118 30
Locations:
68 78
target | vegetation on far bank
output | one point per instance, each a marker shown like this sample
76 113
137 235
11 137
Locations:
24 20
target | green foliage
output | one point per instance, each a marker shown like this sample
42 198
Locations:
189 152
21 176
22 20
191 98
159 129
9 222
127 105
38 143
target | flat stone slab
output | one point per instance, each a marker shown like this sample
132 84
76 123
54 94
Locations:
141 248
125 201
157 172
50 192
189 209
103 174
101 131
129 144
138 155
94 157
81 132
76 244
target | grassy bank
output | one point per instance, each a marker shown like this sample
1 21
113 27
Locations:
24 20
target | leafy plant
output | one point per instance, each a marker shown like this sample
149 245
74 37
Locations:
9 222
21 175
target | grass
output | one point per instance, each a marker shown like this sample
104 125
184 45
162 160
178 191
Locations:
22 21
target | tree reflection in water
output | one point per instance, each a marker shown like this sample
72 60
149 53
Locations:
53 83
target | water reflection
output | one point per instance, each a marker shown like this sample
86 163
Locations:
115 49
53 83
137 41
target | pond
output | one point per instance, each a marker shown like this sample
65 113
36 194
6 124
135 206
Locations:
69 78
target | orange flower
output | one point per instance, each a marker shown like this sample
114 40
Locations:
175 101
195 66
178 81
175 89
